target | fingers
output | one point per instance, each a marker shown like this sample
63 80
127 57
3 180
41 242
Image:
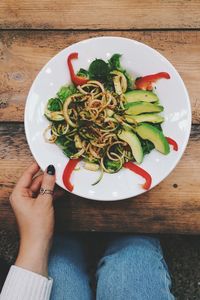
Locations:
26 179
36 183
48 182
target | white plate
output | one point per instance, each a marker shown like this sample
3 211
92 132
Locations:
138 59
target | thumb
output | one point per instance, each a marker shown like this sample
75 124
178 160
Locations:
48 183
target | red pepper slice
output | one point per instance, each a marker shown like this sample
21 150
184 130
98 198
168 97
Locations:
145 83
138 170
173 143
77 80
67 173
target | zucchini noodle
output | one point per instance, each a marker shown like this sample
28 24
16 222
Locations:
46 133
91 125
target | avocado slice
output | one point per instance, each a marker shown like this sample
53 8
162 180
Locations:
140 95
152 118
136 108
133 141
151 133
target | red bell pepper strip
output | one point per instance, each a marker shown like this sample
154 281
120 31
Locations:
173 143
145 83
67 173
138 170
77 80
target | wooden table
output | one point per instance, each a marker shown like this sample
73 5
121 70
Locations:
31 33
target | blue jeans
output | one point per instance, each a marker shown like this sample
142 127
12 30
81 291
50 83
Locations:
132 268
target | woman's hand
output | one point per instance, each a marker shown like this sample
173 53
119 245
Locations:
35 217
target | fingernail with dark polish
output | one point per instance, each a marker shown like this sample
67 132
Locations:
51 170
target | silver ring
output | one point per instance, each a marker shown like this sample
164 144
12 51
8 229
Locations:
46 191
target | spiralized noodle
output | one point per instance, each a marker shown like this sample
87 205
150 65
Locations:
46 134
89 123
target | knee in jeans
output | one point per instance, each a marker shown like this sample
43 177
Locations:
136 252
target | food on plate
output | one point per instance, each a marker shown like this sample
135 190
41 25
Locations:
107 119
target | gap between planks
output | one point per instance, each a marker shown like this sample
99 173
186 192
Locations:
102 14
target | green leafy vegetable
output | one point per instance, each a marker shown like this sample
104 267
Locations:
70 150
147 146
114 62
67 146
91 160
99 70
66 91
54 104
83 73
111 165
61 141
109 85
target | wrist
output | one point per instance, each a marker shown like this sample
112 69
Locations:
33 256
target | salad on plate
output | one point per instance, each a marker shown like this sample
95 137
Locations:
107 119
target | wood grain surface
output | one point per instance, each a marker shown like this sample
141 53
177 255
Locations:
31 32
89 14
172 206
23 54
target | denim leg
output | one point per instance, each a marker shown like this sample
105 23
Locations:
133 268
67 267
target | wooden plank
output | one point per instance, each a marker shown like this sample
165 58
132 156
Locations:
88 14
173 206
23 53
